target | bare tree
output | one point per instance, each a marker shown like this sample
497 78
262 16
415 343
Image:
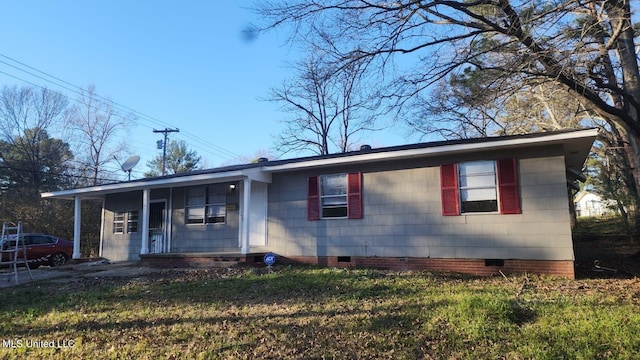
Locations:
329 107
588 48
469 105
479 103
27 153
98 125
31 160
29 108
463 106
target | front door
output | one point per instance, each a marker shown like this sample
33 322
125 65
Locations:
156 227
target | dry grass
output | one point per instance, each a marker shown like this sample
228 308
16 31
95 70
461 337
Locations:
311 313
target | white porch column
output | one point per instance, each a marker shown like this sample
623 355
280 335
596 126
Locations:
144 249
244 216
77 213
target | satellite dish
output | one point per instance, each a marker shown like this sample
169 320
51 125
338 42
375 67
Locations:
129 164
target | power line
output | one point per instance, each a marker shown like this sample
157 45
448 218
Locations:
49 173
79 91
104 100
209 146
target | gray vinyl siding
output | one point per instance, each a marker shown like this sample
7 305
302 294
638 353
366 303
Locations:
185 237
403 218
121 247
202 237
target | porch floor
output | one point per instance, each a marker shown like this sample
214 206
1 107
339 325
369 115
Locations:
200 259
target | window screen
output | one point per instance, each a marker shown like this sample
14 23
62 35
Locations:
333 195
478 186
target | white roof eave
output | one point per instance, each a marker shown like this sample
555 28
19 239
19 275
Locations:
186 180
563 138
576 147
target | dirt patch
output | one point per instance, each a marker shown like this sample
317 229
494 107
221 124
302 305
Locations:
605 258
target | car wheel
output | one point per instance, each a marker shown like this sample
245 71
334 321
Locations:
57 259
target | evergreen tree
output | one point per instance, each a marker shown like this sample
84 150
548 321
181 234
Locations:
179 160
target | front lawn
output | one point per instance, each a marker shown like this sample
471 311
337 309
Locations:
305 312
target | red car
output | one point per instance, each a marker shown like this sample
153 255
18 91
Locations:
44 250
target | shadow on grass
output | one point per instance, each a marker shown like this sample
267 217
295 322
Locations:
302 300
206 287
380 318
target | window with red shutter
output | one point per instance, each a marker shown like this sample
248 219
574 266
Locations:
313 199
480 186
477 187
335 196
449 189
508 186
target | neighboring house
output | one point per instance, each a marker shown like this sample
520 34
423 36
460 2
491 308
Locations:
589 204
476 206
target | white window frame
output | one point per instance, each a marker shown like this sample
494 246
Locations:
119 221
190 206
135 220
329 202
122 221
205 204
478 185
217 201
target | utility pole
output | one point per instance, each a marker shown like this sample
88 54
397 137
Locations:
166 132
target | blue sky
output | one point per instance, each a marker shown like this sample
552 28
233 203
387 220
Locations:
179 64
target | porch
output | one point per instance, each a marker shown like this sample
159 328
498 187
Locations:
213 210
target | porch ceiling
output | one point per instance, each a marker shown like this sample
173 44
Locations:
154 183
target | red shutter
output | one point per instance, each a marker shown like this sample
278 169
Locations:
354 195
508 186
449 189
313 199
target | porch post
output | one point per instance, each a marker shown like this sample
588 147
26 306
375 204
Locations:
77 213
244 220
144 249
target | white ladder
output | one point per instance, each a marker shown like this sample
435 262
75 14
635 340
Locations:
13 251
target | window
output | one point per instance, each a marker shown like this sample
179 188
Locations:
195 205
207 204
129 217
38 240
480 186
216 203
118 222
132 221
334 196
